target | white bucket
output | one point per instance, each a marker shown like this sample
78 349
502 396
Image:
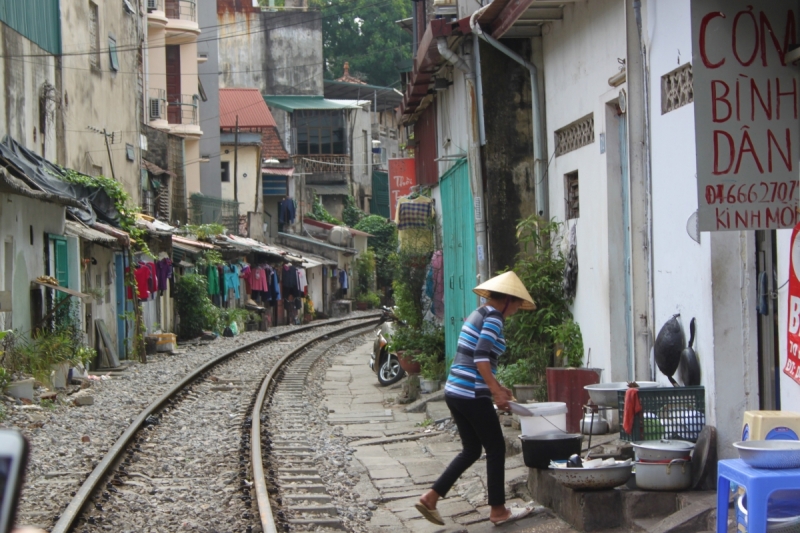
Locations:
549 417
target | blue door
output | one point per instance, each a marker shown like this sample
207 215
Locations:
459 250
124 328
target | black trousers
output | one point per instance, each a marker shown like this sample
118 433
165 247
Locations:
478 427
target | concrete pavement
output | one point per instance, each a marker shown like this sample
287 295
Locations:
399 459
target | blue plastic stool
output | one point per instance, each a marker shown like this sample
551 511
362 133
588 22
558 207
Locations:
759 484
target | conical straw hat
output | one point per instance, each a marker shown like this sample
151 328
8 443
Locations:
508 283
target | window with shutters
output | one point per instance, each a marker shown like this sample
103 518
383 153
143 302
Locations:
94 37
320 132
572 195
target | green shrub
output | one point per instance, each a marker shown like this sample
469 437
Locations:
383 242
194 307
351 214
431 367
569 342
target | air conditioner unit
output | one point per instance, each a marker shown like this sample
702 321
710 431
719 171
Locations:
155 106
152 5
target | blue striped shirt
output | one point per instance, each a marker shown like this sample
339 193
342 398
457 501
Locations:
481 340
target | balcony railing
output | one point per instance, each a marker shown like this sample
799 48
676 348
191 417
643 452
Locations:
183 111
181 9
323 168
157 104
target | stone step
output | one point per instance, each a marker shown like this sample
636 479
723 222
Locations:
322 522
321 509
310 487
297 496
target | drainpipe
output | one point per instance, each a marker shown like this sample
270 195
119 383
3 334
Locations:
538 129
474 154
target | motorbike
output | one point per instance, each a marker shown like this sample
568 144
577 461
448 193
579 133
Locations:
385 364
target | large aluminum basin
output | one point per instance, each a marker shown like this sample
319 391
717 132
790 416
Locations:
605 394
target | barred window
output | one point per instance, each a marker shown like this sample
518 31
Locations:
571 194
677 88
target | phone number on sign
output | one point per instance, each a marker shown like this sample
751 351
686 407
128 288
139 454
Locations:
764 193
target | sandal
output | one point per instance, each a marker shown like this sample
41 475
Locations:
517 513
432 515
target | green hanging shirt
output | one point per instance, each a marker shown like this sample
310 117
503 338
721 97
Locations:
213 280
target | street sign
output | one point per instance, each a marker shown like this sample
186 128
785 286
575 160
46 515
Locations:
402 176
792 366
746 113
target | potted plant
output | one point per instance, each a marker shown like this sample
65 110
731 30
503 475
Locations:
361 302
432 371
403 345
518 377
566 383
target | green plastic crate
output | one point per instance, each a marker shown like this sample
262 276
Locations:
667 413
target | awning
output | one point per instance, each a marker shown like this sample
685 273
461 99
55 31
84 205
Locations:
275 171
323 190
121 236
65 290
194 244
156 170
88 234
384 97
295 103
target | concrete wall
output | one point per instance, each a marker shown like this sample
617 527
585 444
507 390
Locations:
279 52
20 218
315 279
508 154
102 98
713 281
576 71
24 81
249 168
359 129
209 110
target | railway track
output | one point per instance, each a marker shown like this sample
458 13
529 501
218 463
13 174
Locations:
193 459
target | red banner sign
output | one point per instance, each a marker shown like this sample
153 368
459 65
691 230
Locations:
402 176
792 367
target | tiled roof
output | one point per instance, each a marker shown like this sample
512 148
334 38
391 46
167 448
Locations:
248 104
271 145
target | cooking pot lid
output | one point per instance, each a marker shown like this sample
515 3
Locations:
664 445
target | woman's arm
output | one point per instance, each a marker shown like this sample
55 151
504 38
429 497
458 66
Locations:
500 394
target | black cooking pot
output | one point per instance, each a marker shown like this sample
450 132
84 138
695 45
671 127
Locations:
539 450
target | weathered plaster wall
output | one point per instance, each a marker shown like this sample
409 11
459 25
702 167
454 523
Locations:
508 153
359 122
209 110
278 52
248 176
576 72
24 81
21 218
102 98
101 275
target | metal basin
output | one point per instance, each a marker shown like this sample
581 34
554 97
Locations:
770 453
604 477
605 394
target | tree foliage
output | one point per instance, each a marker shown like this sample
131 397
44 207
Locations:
364 33
383 242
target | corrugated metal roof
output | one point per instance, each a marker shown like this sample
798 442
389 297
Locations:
248 104
295 103
87 233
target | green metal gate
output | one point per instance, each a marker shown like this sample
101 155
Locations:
460 269
379 204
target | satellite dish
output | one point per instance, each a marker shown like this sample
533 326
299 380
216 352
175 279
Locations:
692 229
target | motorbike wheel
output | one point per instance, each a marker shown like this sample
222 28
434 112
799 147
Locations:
390 371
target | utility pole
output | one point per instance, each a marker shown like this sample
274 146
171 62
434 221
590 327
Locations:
236 162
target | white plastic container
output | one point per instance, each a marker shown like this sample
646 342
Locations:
549 417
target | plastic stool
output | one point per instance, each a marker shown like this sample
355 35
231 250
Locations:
759 484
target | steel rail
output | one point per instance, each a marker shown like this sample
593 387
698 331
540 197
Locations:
73 510
256 460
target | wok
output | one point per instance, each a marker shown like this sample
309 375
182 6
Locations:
669 345
690 366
